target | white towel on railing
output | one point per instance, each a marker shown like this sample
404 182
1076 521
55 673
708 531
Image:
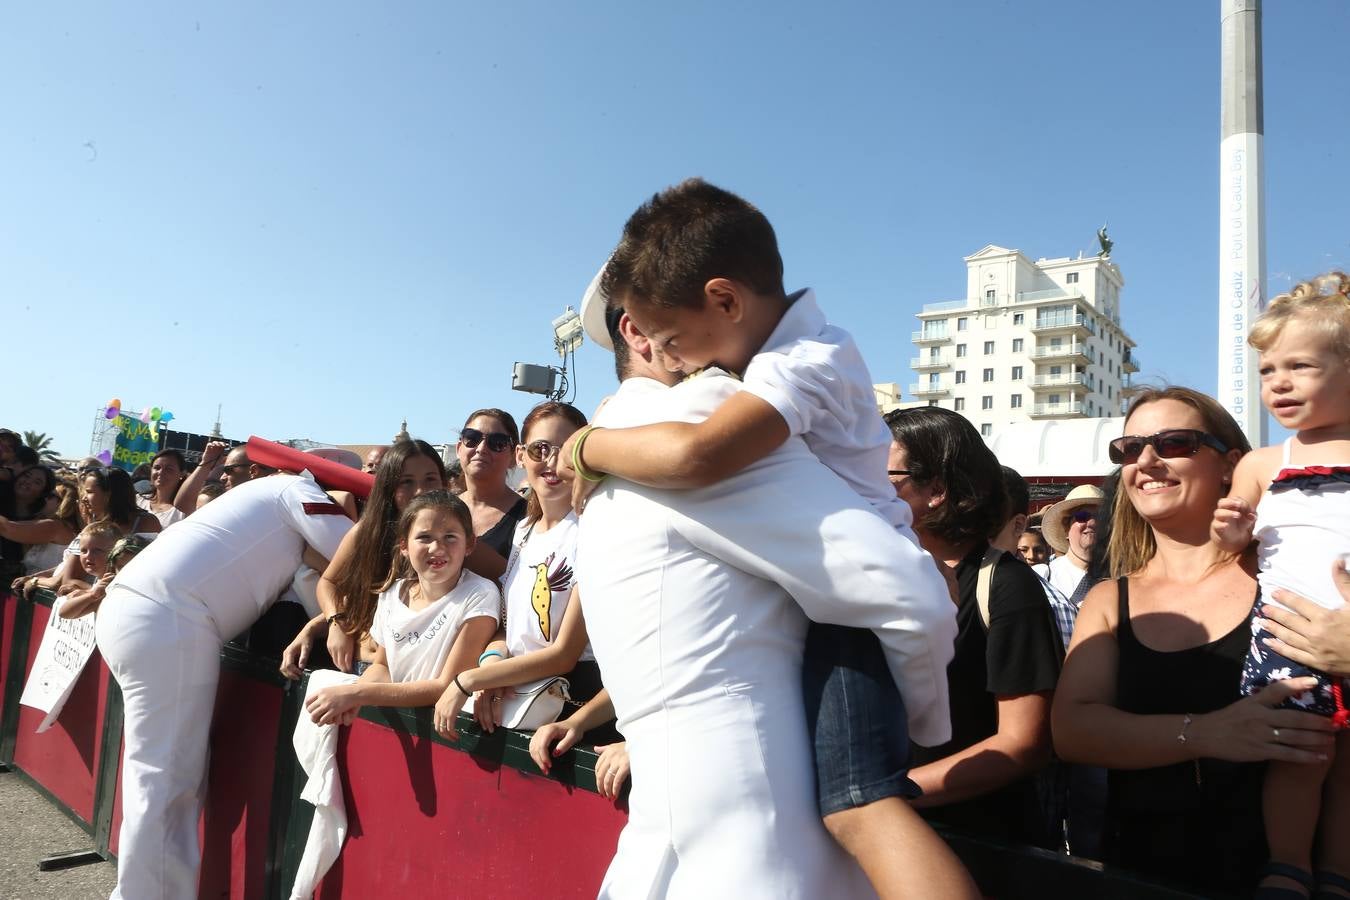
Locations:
316 748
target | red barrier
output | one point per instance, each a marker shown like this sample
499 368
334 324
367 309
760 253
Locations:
422 816
326 472
64 759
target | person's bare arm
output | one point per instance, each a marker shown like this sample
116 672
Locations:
212 456
1235 517
341 645
36 531
1090 729
744 429
330 704
1019 748
86 600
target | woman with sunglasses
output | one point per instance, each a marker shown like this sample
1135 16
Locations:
486 451
1150 686
543 613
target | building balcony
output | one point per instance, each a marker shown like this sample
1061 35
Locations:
1057 410
1069 353
1129 363
931 363
1053 295
1049 382
928 390
1078 325
930 337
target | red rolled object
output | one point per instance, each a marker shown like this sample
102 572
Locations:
328 474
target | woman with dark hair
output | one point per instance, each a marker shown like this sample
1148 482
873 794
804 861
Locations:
1151 684
350 586
108 494
167 471
486 450
1008 649
41 521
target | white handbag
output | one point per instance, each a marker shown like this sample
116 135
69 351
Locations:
536 703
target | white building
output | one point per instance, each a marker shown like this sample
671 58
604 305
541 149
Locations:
1032 341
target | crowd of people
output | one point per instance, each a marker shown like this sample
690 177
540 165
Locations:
810 632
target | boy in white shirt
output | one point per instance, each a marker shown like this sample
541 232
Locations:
698 272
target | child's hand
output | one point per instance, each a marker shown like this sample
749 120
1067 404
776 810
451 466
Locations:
542 750
328 706
1234 520
447 710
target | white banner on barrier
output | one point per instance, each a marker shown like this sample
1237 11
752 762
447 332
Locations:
67 645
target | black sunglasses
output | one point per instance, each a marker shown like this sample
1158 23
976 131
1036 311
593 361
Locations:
1168 444
1082 515
496 441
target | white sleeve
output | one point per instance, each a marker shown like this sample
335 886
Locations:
484 601
320 521
377 623
798 388
790 520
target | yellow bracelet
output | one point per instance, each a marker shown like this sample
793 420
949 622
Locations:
577 464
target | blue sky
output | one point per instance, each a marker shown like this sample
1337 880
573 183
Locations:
329 216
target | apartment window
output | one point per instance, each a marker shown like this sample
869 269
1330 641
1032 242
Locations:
1017 345
1089 408
990 297
933 353
1015 401
962 323
936 329
1017 373
960 351
987 402
1054 399
1018 318
1056 370
986 430
933 379
1071 278
961 377
988 375
960 404
988 348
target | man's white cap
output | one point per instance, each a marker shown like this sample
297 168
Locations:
347 458
593 307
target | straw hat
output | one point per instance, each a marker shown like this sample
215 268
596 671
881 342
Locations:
1052 517
594 312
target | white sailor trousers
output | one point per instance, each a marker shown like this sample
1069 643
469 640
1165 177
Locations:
166 658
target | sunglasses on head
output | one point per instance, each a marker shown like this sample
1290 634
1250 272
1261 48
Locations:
497 441
1168 444
541 450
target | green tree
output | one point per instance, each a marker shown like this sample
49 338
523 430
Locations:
40 442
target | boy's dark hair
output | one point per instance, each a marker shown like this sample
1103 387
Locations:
942 446
1019 497
683 238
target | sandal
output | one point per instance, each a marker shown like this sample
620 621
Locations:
1339 887
1293 873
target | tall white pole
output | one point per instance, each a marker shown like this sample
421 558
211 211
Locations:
1242 232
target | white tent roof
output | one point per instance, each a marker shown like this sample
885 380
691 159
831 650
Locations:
1057 448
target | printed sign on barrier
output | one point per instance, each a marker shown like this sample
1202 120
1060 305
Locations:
67 645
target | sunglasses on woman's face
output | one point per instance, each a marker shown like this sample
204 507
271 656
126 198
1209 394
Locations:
1167 444
541 450
497 441
1082 515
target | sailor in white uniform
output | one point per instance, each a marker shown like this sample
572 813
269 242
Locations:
700 648
161 629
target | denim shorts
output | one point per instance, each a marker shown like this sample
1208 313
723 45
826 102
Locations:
856 718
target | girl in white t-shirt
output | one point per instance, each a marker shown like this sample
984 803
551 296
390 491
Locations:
432 619
544 633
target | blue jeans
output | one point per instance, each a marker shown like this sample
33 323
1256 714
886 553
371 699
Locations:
856 719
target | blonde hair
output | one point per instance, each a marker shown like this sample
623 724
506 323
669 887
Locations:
1323 302
1132 543
102 528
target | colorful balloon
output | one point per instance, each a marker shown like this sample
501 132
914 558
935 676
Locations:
105 457
112 412
145 415
115 403
165 417
154 413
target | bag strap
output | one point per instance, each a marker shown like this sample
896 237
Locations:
984 582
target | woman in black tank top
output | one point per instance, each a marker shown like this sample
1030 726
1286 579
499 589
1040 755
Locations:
1150 686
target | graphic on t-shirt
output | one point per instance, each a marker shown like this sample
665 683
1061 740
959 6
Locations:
545 583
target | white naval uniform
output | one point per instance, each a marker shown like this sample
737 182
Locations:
701 650
161 629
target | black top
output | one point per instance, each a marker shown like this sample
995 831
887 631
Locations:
1199 822
1020 654
498 537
